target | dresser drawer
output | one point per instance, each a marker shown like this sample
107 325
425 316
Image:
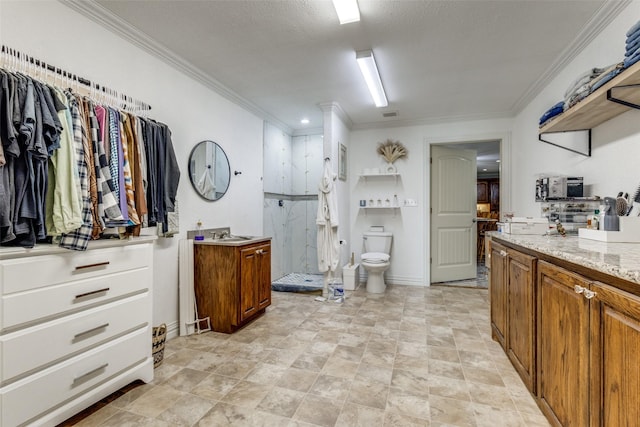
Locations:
22 274
29 398
22 351
28 308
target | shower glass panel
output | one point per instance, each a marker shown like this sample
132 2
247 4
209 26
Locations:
292 171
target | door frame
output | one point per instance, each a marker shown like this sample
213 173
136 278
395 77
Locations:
505 180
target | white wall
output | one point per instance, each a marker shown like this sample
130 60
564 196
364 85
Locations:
336 133
613 165
410 227
57 35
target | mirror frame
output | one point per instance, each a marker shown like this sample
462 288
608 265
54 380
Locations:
193 173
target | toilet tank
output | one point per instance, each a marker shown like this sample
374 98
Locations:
377 241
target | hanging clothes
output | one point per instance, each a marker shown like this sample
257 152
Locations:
72 170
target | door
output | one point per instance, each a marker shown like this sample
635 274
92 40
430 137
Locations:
264 277
521 315
248 289
453 214
498 293
563 346
615 371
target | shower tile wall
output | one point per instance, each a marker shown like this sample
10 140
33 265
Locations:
292 171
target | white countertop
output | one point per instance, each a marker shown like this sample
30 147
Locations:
616 259
8 252
232 241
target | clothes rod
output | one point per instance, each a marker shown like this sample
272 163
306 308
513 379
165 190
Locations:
22 58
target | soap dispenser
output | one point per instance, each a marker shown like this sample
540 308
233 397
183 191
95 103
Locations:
611 219
199 235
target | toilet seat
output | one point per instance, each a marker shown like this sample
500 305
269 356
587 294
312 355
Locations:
375 257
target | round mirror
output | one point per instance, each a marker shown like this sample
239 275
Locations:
209 170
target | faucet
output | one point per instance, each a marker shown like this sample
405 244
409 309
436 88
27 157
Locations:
218 235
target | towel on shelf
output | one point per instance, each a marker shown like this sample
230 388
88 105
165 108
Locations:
606 76
581 80
556 109
634 28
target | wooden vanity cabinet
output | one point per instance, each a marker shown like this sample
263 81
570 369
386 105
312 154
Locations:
232 283
521 338
513 308
563 352
588 371
498 294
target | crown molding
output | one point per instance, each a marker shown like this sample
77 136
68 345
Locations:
598 22
334 107
100 15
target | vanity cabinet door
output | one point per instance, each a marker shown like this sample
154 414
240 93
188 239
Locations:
255 279
498 293
521 315
264 278
615 346
563 346
249 265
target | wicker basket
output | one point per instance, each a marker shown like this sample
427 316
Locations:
159 337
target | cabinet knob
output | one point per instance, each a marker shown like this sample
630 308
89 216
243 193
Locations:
588 294
260 251
503 253
578 289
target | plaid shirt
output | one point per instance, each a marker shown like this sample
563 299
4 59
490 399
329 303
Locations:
79 238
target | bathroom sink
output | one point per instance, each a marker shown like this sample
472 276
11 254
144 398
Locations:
235 239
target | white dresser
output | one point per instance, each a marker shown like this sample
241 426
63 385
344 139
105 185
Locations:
74 327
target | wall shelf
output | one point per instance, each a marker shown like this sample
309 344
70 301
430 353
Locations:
615 97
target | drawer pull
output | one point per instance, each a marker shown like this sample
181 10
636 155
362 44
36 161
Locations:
86 294
578 289
87 376
97 264
82 335
588 294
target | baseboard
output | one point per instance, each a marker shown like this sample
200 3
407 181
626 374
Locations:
173 330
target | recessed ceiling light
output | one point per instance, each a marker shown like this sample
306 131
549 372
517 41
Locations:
498 161
484 170
304 121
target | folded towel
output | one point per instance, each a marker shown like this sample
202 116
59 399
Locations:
630 60
552 112
605 77
582 79
632 49
633 29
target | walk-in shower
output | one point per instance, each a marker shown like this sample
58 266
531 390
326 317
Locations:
292 171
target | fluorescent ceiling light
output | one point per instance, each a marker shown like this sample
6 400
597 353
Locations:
371 76
347 11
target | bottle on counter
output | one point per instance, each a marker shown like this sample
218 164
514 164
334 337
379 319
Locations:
593 220
199 234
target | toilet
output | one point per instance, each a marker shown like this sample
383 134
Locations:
376 259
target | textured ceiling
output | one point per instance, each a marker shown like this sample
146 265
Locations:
439 60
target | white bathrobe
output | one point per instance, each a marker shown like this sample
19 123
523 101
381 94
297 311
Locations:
327 221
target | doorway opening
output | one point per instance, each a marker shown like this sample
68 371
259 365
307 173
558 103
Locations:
484 206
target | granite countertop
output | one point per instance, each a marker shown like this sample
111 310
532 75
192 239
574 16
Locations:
616 259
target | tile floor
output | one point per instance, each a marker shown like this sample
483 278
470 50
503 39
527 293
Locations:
410 357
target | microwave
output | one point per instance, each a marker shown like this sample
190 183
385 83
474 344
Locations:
559 187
